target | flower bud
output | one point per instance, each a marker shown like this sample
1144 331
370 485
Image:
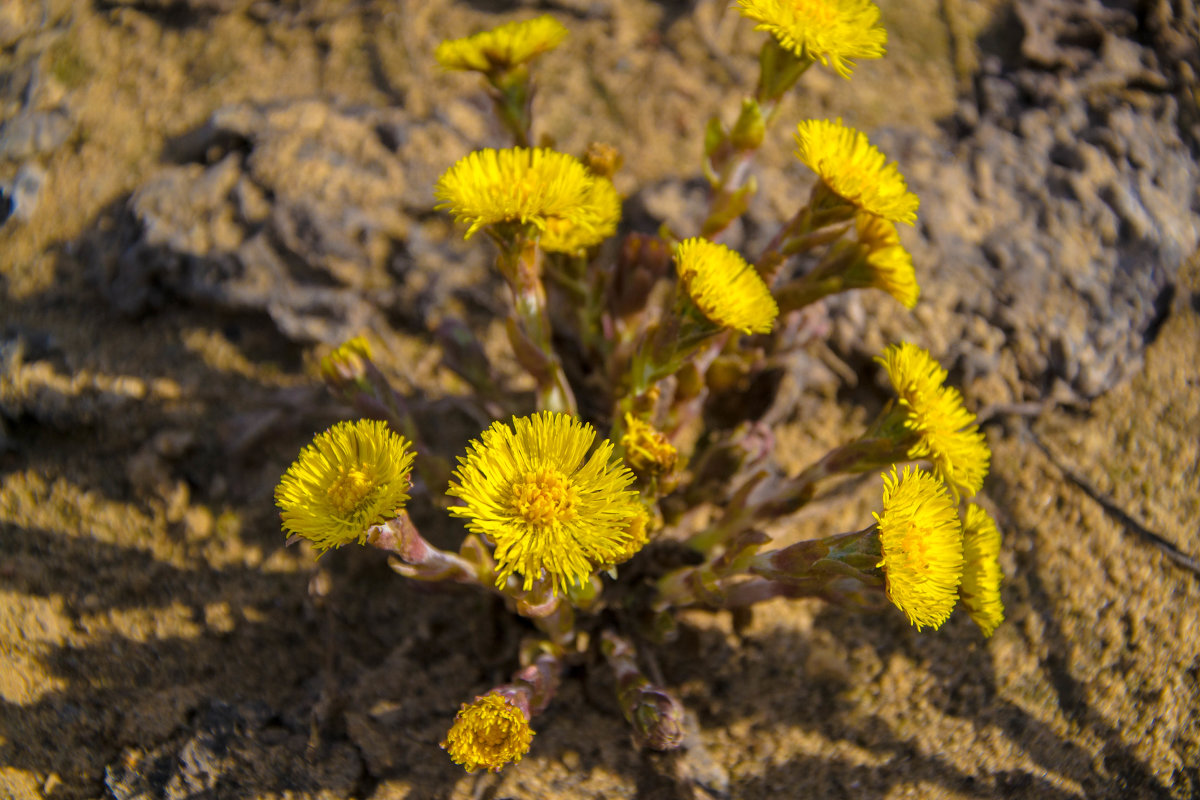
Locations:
348 363
748 131
647 450
656 717
602 159
489 733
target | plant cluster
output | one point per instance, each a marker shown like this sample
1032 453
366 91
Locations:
650 331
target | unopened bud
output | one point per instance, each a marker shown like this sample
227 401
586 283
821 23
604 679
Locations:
602 159
347 363
647 450
748 131
654 713
656 717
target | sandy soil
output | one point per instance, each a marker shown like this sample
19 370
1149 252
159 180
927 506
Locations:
159 641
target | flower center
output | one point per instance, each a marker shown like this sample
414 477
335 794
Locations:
543 497
348 491
915 546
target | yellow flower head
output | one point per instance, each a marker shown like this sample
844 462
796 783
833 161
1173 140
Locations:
352 476
502 48
532 490
946 433
981 569
829 31
639 536
597 220
921 539
488 734
724 287
552 191
346 362
855 170
647 450
887 265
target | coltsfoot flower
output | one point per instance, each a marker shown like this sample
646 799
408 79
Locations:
887 265
981 569
346 362
503 47
945 432
639 536
532 490
724 287
552 191
855 170
352 476
597 220
921 539
647 450
488 734
829 31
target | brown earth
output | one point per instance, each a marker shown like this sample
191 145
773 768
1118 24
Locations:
159 641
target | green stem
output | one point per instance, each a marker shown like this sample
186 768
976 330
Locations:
816 223
806 291
705 583
778 71
512 96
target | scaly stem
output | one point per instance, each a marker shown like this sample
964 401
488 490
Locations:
730 153
655 714
417 558
520 261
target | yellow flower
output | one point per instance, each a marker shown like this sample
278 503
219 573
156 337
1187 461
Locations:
829 31
552 191
981 569
346 362
639 536
352 476
945 432
488 734
535 494
647 450
724 287
598 218
501 48
855 170
887 265
921 540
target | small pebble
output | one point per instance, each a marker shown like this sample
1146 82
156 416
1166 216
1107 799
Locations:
20 200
